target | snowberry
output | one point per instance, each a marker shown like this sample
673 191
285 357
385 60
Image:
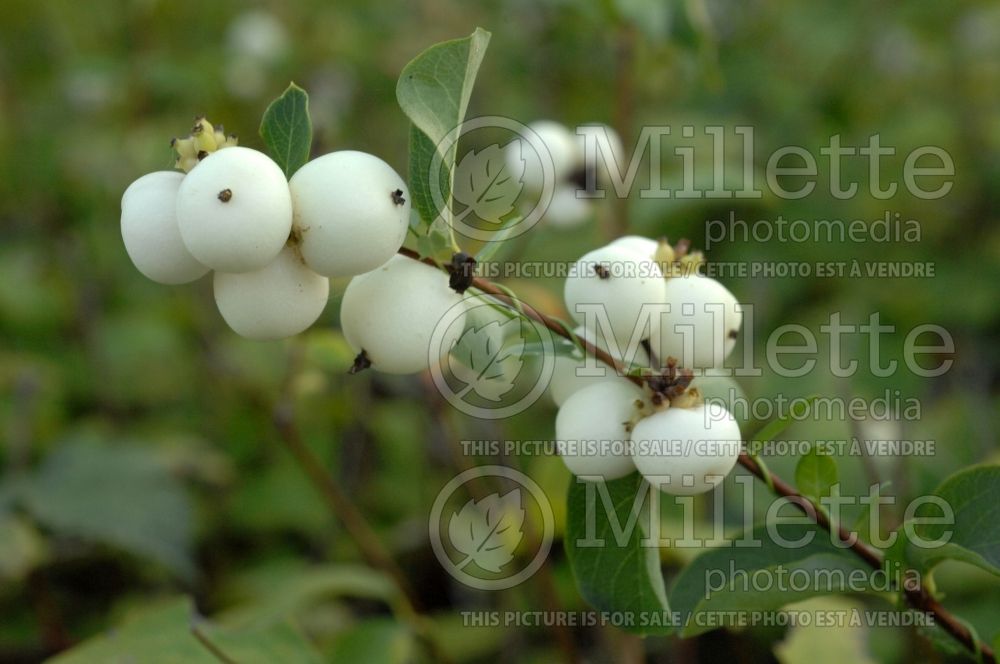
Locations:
149 229
234 210
391 314
551 140
351 212
686 451
279 300
637 244
716 386
565 210
597 158
569 374
700 324
628 287
591 432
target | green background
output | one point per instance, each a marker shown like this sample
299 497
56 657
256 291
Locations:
138 457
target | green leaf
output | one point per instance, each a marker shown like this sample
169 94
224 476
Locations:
287 129
723 580
775 427
283 590
162 634
815 474
418 173
974 497
122 496
280 642
622 574
434 241
434 90
377 640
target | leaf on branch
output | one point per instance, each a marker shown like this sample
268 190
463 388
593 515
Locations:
434 90
973 495
163 634
775 427
816 474
622 573
488 532
740 579
287 129
121 496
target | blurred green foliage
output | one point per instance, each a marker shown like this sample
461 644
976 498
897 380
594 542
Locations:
138 456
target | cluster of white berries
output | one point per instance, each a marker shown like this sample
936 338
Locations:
574 168
272 243
648 298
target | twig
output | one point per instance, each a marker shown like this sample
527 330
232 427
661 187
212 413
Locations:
213 649
625 46
353 521
916 594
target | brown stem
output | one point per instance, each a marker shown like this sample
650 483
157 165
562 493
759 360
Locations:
213 649
353 521
625 46
916 594
340 504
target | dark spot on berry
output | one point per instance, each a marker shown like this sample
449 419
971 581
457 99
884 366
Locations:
733 334
601 271
361 362
397 197
462 271
226 195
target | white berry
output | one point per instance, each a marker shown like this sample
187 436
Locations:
570 374
234 210
391 314
565 210
551 141
700 325
591 432
716 386
628 287
637 244
351 211
686 451
149 229
280 300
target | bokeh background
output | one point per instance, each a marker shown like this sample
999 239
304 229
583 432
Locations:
138 457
